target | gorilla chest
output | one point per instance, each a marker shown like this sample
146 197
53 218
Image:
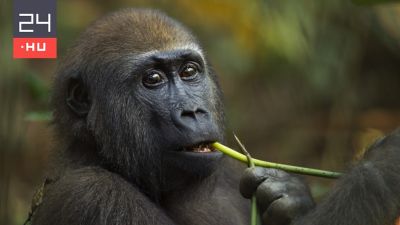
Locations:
215 208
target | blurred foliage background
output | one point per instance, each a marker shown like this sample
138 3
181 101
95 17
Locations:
306 82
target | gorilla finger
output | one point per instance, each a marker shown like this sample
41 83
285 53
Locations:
268 192
250 180
254 176
275 216
286 209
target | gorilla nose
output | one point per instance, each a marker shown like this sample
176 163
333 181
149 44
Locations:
191 118
194 114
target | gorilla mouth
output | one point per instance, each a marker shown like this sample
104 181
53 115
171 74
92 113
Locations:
200 148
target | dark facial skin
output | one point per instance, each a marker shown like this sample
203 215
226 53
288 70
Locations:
176 85
173 91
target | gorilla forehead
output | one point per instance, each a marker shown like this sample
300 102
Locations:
137 31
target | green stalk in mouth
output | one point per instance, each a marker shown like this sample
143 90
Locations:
288 168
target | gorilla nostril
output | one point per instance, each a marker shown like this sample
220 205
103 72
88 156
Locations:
188 113
193 113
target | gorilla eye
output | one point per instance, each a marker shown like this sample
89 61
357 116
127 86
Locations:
152 79
189 71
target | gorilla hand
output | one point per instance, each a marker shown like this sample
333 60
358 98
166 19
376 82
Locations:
281 197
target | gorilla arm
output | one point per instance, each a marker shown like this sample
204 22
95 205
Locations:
369 194
95 196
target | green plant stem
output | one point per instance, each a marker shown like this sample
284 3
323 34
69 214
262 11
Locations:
254 212
289 168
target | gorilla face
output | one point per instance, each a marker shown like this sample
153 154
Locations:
141 91
175 90
163 111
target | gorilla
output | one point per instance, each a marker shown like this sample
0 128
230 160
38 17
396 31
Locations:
136 105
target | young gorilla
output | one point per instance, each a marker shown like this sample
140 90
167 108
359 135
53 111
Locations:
135 108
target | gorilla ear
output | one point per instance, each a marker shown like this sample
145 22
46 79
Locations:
78 98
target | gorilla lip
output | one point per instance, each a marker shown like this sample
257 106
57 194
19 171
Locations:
200 148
